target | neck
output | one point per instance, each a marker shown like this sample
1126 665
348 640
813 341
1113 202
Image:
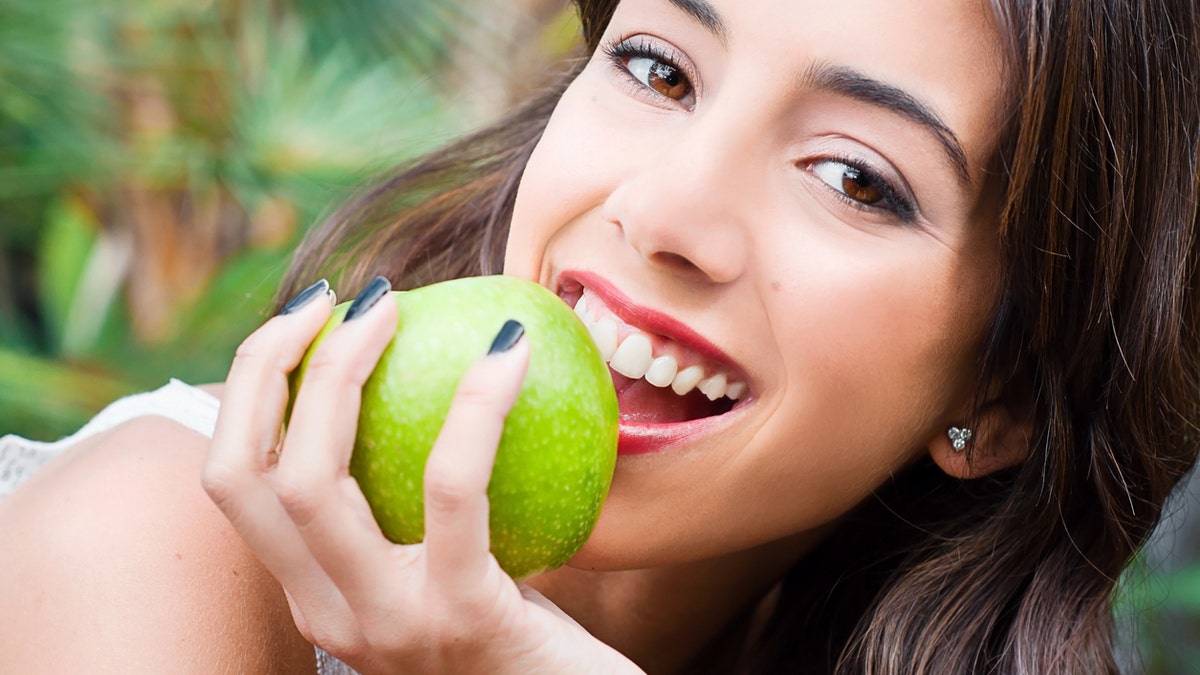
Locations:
663 617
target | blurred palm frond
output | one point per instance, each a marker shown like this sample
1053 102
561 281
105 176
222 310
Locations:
159 159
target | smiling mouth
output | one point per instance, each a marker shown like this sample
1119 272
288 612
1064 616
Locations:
665 382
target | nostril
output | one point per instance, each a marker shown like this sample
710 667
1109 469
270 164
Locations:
675 260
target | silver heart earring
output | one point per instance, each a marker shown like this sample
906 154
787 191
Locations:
959 437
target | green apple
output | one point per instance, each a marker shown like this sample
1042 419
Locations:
559 446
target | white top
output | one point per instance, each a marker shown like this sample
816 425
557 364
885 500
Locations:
194 408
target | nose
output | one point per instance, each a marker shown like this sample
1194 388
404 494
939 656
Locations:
685 207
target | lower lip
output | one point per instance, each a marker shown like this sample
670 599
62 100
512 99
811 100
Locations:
642 439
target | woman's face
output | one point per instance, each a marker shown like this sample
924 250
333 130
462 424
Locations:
789 201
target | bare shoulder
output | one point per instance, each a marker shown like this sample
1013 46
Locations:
113 554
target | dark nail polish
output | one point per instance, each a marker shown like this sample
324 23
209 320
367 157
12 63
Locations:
509 335
367 297
304 297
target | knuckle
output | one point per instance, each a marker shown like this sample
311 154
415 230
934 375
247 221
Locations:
228 490
299 497
261 350
254 347
337 641
445 491
324 366
334 369
221 483
308 633
477 396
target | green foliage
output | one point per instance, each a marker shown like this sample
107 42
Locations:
158 160
51 129
42 397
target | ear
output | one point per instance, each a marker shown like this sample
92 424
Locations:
1000 435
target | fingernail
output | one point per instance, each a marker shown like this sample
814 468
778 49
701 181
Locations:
367 297
509 335
298 301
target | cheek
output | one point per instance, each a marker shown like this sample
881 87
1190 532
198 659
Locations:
858 407
534 212
887 351
570 173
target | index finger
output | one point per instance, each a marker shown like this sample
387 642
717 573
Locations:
248 428
256 391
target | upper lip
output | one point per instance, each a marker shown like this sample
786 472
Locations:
649 320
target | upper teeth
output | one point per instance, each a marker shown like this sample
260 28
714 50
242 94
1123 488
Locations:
634 356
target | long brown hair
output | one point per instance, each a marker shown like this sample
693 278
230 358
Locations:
1098 324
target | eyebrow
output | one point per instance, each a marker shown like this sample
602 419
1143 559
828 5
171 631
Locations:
854 85
705 14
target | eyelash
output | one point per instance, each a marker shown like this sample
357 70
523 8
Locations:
621 50
893 200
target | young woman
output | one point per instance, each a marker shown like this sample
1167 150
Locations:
944 251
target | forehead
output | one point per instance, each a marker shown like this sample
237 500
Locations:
945 53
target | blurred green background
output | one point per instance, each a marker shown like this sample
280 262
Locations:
159 160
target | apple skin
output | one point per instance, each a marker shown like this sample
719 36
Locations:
558 450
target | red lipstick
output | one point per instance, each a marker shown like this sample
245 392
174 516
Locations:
640 437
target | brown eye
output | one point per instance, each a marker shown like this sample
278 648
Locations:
662 77
864 188
859 187
668 81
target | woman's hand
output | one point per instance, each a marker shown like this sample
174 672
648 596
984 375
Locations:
442 606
